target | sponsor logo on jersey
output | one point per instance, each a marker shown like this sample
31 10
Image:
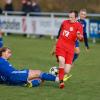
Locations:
71 29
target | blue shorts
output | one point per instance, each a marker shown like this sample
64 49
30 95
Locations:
19 77
77 43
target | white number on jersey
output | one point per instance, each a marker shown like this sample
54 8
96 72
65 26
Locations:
65 33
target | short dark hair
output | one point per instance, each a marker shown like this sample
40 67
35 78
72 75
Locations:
74 11
3 49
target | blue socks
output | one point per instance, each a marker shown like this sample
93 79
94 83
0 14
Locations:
36 82
43 76
1 42
75 57
47 76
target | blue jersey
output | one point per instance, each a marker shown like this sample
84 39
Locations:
5 67
10 75
83 22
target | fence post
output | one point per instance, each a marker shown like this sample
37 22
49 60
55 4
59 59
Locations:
27 34
52 27
5 13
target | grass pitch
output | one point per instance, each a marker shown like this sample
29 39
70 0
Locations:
35 54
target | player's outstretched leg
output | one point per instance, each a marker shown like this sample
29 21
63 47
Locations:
48 77
33 83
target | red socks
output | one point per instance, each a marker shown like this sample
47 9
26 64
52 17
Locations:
61 73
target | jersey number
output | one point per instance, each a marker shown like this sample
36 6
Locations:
65 33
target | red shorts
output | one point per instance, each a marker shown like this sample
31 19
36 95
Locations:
67 54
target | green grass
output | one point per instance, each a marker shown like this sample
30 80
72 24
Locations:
35 54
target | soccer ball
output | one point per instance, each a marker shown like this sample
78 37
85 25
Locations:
53 70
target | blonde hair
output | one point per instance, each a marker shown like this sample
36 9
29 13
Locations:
83 10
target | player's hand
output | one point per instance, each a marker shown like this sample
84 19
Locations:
80 36
53 50
53 53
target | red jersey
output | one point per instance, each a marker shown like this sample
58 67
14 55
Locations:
68 34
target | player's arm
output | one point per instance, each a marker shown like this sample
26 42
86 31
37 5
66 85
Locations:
84 29
80 33
53 50
59 32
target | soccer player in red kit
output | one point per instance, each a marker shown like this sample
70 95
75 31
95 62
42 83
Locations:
70 30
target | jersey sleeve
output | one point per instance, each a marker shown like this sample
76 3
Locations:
60 30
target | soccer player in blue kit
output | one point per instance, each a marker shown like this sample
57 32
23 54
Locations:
12 76
82 15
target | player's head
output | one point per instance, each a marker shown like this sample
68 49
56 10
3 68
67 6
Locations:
5 52
73 15
83 13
